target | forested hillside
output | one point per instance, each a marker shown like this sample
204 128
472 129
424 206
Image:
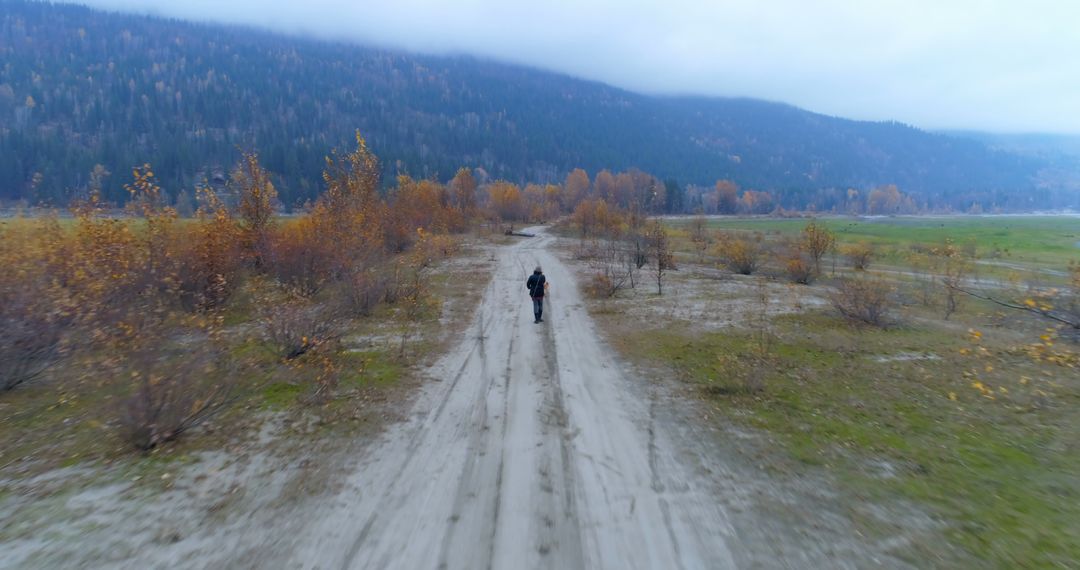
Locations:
80 87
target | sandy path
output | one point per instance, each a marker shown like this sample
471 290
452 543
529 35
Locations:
532 451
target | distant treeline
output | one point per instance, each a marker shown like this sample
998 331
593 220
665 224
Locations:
81 88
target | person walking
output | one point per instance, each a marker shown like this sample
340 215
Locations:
536 284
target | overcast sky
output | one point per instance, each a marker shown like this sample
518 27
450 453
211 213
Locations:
974 64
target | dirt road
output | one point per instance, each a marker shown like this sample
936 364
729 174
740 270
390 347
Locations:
530 446
532 451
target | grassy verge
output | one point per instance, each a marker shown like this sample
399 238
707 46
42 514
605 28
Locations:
893 414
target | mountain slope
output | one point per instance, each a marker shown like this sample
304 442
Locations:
81 87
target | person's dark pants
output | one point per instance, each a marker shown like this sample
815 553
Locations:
538 307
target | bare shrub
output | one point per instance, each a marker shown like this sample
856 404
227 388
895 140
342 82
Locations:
613 264
699 236
924 282
295 328
586 250
30 336
763 339
34 309
396 285
172 393
364 290
864 301
952 264
415 303
600 286
659 248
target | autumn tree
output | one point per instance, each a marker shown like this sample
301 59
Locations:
727 197
423 204
604 186
596 218
534 202
624 190
256 206
816 241
754 202
212 253
148 201
575 189
506 201
649 192
350 214
552 199
889 200
463 189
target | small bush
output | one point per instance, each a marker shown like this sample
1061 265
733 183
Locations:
298 258
587 250
864 301
858 255
210 258
612 264
35 309
740 255
600 286
815 242
363 291
30 337
799 269
171 394
294 329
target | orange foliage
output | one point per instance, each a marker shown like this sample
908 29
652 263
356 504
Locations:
506 201
575 189
425 204
257 199
596 218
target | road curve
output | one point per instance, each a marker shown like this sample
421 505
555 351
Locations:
531 450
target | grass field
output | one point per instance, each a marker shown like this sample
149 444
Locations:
954 416
1029 241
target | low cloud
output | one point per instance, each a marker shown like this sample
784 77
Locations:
990 64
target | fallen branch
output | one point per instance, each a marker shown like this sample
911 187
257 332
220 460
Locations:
1070 319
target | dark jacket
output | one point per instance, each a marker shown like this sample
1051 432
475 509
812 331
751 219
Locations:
535 284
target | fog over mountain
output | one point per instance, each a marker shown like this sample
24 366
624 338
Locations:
995 65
